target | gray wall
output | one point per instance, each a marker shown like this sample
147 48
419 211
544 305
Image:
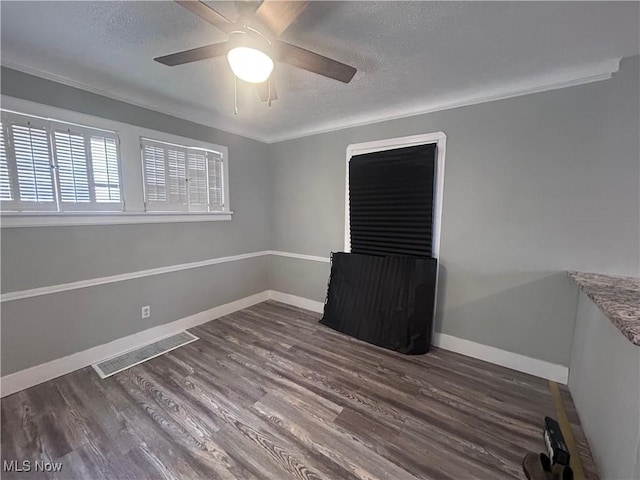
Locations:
604 381
47 327
534 186
43 328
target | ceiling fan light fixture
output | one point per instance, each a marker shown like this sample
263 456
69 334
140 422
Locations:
250 64
249 55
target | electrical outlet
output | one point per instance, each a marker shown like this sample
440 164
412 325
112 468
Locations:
146 311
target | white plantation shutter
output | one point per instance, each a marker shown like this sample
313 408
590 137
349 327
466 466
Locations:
33 163
105 166
165 176
54 166
197 177
73 167
88 171
176 164
49 165
28 183
5 180
181 179
215 178
154 174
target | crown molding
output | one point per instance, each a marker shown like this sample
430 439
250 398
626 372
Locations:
589 73
169 108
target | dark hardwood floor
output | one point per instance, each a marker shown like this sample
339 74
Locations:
269 393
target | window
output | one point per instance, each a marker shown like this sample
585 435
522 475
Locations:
394 192
179 178
52 166
59 167
391 201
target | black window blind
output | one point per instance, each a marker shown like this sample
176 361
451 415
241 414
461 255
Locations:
391 201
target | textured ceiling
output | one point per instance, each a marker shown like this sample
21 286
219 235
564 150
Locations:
410 56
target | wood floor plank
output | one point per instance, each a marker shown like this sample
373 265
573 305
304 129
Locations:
24 432
432 454
316 433
338 391
289 459
83 392
269 393
172 417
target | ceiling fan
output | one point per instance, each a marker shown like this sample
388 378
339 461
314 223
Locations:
253 45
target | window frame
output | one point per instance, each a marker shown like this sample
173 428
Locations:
188 206
131 175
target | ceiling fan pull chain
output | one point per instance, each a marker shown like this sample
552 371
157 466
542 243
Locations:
235 95
269 102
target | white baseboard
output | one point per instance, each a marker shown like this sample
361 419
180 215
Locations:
44 372
295 301
30 377
514 361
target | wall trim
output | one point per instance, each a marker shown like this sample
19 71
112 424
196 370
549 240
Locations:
300 256
44 372
579 75
92 282
504 358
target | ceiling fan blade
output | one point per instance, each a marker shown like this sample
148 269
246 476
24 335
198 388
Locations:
208 14
194 55
313 62
263 90
277 15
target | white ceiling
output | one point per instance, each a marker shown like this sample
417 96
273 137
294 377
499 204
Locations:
411 56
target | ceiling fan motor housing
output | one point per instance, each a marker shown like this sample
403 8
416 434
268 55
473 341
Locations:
250 38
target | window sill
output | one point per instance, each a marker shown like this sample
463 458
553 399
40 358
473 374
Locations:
40 219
